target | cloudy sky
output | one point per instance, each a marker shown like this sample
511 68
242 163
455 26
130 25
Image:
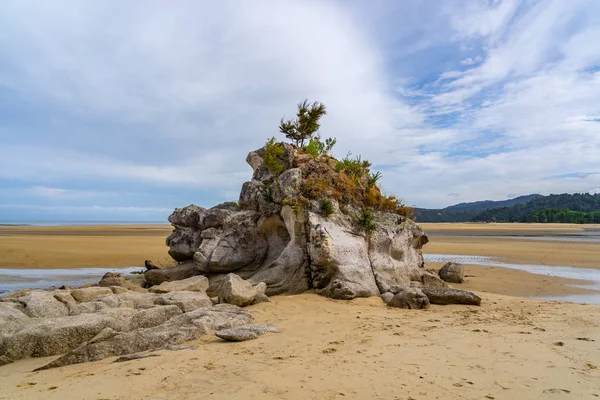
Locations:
114 110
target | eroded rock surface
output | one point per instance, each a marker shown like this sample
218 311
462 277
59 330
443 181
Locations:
96 322
282 238
110 342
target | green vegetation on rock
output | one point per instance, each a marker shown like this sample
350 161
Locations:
273 152
326 207
306 124
348 181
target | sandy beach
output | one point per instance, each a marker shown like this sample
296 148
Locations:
82 246
509 348
129 245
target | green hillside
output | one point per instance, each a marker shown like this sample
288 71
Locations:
578 208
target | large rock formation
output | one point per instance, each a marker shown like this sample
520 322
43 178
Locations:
282 235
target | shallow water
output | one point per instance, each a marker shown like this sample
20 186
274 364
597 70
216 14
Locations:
554 238
587 274
16 279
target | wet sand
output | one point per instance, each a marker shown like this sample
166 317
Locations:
509 348
82 246
129 245
492 240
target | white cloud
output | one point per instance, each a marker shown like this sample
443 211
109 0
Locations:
500 93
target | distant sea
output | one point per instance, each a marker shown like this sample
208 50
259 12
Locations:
79 223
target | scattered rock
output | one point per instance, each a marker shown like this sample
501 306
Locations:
118 289
452 272
136 282
387 296
196 283
182 271
409 298
139 300
234 290
12 318
184 328
187 301
48 337
112 279
90 293
42 304
443 296
430 280
245 332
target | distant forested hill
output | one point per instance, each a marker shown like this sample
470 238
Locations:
465 212
570 208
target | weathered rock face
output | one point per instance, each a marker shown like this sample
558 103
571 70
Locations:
289 244
183 328
93 323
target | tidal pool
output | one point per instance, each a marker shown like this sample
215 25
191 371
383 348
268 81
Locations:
587 274
12 279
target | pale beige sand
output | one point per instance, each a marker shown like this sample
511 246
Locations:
569 254
514 282
507 349
82 246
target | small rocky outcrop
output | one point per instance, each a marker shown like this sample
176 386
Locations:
180 329
444 295
92 323
452 272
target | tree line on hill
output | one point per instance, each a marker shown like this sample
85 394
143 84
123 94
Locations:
578 208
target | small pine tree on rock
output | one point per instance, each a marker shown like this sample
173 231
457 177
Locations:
306 124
